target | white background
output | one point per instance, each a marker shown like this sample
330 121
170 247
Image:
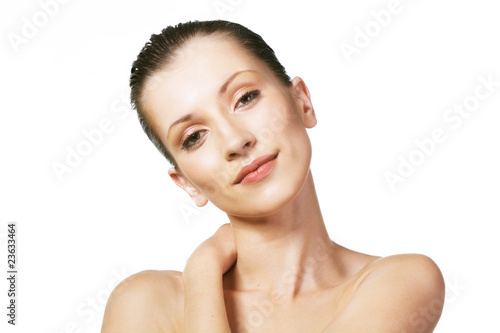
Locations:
117 212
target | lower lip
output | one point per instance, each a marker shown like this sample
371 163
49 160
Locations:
262 172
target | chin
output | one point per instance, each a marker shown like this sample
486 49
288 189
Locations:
270 196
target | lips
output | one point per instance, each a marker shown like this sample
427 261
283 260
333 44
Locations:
254 172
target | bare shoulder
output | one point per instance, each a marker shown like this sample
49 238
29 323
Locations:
400 293
148 301
415 268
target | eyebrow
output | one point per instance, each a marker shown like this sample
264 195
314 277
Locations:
222 90
231 78
183 119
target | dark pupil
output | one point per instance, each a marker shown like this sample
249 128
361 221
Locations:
246 98
194 136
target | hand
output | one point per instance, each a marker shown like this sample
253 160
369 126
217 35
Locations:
204 308
216 254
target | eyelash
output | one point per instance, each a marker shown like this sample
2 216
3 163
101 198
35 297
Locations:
188 145
253 94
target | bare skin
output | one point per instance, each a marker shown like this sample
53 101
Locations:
363 293
274 268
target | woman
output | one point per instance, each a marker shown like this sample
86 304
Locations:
217 103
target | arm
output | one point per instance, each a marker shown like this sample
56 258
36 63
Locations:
204 308
152 301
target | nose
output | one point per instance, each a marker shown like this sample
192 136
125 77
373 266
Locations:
237 139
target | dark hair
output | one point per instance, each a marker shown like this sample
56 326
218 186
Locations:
161 49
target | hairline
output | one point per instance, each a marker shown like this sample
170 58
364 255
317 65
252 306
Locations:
141 105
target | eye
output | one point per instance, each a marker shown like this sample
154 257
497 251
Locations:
193 140
247 98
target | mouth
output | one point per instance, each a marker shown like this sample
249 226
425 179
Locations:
257 170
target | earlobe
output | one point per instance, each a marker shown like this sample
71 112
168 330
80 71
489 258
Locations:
180 180
302 94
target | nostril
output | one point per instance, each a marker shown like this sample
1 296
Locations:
232 155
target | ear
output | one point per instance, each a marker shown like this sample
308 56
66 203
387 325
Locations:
302 95
199 199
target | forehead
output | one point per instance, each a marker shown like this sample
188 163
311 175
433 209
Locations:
196 74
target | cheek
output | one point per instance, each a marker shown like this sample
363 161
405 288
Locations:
284 124
205 170
273 121
199 173
294 138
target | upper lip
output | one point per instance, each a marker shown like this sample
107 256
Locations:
254 165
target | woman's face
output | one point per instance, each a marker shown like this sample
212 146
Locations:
221 113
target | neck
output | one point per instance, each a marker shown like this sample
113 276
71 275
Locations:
288 251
